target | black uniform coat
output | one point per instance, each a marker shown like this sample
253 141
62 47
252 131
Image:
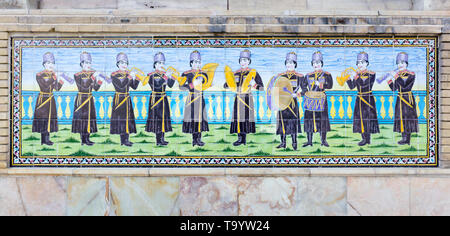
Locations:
122 116
84 116
317 121
243 120
288 120
45 118
195 116
406 120
158 120
365 118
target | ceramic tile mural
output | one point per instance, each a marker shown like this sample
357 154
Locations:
233 102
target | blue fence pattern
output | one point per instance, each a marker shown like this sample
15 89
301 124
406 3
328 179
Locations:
219 106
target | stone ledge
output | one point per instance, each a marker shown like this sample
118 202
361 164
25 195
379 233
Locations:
225 19
243 172
223 28
209 12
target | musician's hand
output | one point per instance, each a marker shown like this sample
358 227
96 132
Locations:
197 82
393 73
61 82
321 85
99 82
390 81
353 75
133 75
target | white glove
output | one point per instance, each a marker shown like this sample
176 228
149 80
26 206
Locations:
133 75
197 82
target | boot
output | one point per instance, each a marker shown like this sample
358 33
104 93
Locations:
199 140
364 140
368 138
84 140
88 141
124 140
310 137
45 139
294 142
164 142
194 139
323 136
242 140
406 139
283 142
158 139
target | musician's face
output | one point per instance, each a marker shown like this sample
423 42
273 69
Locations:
290 65
122 65
317 65
402 65
86 66
49 66
196 64
362 65
159 65
245 62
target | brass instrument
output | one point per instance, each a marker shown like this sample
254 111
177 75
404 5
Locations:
231 82
248 79
344 76
175 74
279 93
140 75
229 77
210 70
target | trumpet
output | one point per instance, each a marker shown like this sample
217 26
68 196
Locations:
344 76
140 75
175 74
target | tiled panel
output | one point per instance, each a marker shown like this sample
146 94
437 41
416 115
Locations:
353 118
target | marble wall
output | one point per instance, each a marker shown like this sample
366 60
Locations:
227 196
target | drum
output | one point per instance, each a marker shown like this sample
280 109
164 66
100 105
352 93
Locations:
314 101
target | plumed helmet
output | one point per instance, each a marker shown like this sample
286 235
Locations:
159 57
195 55
246 54
403 56
85 57
122 57
317 56
292 56
363 56
48 57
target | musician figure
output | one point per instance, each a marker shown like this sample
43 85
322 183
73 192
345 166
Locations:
288 120
365 119
243 120
158 120
84 119
122 116
317 81
45 119
406 120
195 117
